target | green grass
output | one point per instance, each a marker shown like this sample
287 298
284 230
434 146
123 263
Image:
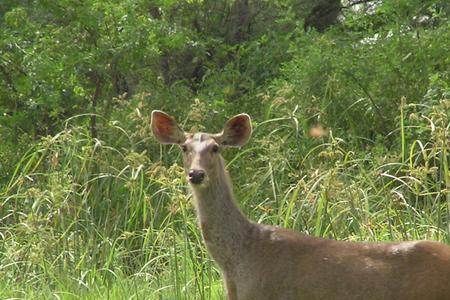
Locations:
113 218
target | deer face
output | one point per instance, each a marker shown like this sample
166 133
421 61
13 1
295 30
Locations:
201 157
201 151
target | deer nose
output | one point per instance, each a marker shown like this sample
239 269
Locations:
196 176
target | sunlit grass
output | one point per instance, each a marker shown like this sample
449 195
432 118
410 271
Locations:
91 219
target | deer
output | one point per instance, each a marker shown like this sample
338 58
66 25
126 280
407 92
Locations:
262 262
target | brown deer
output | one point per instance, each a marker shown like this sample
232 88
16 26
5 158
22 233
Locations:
262 262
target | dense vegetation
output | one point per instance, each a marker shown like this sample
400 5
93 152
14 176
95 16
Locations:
350 105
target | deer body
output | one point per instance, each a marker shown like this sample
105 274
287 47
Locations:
261 262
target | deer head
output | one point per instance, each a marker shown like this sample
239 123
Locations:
201 151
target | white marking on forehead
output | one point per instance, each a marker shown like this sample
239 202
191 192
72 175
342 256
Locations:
199 137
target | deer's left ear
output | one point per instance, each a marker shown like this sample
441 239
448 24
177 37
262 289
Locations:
237 131
165 129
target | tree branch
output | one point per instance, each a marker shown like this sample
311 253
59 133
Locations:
358 2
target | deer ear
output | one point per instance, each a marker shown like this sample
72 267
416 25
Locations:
165 129
237 131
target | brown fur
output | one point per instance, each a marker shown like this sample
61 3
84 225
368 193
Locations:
268 263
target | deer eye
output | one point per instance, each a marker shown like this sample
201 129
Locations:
215 149
184 148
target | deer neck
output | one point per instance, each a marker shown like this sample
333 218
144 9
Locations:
222 224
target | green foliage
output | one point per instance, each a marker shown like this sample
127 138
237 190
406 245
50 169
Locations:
351 134
354 85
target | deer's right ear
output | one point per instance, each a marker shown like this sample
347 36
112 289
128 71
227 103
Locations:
165 129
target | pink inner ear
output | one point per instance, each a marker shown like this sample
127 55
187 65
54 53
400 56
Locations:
164 125
238 125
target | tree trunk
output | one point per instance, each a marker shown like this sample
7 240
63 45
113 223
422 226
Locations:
324 13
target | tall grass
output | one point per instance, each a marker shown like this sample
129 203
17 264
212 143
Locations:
113 218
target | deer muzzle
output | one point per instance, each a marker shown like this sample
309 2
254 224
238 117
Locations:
196 176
